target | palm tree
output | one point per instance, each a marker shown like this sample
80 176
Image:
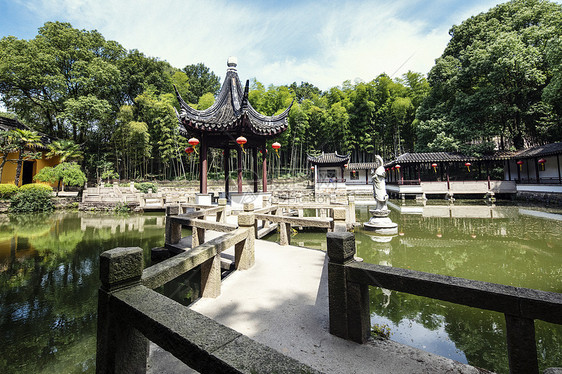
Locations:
66 150
24 139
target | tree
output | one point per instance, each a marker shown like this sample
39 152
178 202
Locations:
491 79
201 81
69 173
7 146
24 141
65 150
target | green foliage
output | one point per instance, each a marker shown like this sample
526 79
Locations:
201 81
68 173
380 331
32 198
122 208
493 76
109 174
145 186
65 150
7 190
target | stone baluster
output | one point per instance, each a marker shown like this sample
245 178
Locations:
244 252
120 347
348 301
173 229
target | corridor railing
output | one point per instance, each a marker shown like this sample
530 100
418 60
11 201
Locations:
349 283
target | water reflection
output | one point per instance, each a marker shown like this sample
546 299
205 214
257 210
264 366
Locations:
511 245
48 285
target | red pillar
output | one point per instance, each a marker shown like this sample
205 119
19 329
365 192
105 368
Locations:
226 172
203 166
264 168
255 167
239 170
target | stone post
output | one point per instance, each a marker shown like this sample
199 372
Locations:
173 229
284 233
339 219
348 301
211 276
120 348
221 216
265 201
197 236
351 210
521 345
244 251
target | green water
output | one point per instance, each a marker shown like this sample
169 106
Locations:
518 246
49 280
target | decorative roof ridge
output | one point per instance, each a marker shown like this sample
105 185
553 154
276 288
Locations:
221 98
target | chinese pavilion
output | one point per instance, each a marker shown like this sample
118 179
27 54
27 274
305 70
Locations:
231 123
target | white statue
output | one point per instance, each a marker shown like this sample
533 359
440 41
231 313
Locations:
379 186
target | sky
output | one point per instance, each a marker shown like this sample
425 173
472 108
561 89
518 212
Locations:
277 42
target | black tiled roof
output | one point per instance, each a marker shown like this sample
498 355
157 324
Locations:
231 112
328 158
7 124
362 165
447 157
540 151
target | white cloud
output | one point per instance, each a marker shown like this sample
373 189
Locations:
323 43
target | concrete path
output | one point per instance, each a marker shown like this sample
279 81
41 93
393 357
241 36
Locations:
282 302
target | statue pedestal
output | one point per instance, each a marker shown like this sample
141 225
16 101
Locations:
380 223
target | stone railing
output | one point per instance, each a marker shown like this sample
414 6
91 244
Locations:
130 314
198 341
348 288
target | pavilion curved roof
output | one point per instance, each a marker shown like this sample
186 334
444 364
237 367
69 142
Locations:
231 112
328 159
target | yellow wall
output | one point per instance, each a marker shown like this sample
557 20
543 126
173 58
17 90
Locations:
9 173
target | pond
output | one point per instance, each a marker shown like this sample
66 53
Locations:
48 285
518 246
49 279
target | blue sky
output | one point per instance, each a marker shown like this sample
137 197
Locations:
276 42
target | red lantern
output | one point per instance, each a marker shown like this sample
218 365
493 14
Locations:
276 146
312 168
467 164
520 163
434 165
392 168
398 167
189 151
345 166
241 141
542 161
193 142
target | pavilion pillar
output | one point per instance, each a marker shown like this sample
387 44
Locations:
558 164
537 170
264 168
226 172
239 151
255 167
203 166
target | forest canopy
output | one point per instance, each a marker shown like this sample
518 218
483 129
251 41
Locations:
497 84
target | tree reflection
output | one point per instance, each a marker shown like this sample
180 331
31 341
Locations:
48 298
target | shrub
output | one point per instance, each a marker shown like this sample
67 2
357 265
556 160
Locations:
36 187
36 197
7 190
145 186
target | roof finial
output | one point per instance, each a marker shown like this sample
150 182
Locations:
231 63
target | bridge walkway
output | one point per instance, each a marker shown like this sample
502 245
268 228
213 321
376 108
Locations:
282 302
